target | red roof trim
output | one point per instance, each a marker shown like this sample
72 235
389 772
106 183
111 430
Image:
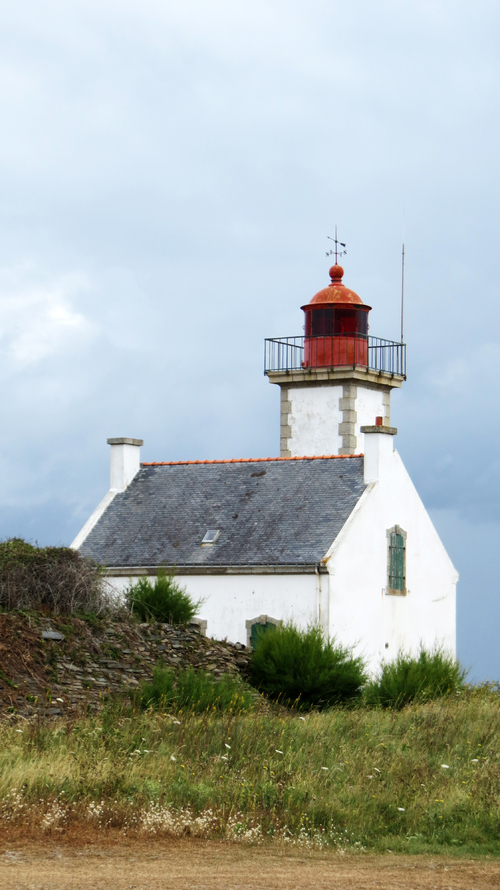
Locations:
246 460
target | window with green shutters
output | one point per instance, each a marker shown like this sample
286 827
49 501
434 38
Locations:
397 560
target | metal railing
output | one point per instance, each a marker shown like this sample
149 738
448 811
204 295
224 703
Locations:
288 353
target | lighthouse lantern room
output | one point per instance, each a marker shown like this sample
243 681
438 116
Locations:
336 326
336 378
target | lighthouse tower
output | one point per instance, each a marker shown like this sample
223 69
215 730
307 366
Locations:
335 380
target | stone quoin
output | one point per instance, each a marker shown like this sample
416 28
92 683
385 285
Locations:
331 531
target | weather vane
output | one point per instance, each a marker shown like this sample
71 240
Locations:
337 253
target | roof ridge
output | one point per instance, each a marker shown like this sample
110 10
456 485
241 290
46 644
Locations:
246 460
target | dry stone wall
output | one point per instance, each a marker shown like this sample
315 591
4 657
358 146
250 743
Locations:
67 665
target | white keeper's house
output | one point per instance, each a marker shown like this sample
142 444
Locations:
331 531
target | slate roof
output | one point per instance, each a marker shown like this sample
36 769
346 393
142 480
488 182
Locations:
279 512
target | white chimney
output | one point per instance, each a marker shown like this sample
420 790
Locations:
125 462
378 449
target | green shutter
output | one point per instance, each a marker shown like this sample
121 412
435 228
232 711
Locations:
397 562
257 630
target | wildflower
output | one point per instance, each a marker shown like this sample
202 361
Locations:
401 809
472 761
173 758
444 766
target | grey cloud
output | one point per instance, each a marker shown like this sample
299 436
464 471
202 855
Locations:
169 174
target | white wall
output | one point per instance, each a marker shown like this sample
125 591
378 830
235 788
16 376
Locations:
230 600
361 612
315 416
314 420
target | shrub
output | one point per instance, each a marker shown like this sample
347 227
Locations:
429 676
194 691
54 578
165 600
300 668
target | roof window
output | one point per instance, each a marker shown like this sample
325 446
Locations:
210 537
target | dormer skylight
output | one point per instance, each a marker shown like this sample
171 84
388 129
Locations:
210 537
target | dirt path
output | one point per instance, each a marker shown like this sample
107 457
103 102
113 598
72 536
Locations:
209 865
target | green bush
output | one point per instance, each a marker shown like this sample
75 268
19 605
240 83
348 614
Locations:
430 676
56 579
301 669
195 691
165 600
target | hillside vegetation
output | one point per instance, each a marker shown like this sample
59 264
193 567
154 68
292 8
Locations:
426 777
110 722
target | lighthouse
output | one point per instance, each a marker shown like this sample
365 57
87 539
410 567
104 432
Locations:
332 532
336 379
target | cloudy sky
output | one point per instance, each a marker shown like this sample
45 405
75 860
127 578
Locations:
169 173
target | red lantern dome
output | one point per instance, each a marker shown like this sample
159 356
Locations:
336 329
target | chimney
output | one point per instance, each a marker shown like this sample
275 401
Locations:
125 462
378 448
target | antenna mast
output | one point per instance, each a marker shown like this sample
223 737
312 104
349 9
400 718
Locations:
402 289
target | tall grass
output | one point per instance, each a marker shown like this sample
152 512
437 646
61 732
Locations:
426 777
195 691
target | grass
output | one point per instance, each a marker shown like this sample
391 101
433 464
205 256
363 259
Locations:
196 690
422 779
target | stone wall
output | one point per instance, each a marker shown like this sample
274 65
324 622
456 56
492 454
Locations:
67 665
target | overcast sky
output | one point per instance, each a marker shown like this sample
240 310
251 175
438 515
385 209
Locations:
169 173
